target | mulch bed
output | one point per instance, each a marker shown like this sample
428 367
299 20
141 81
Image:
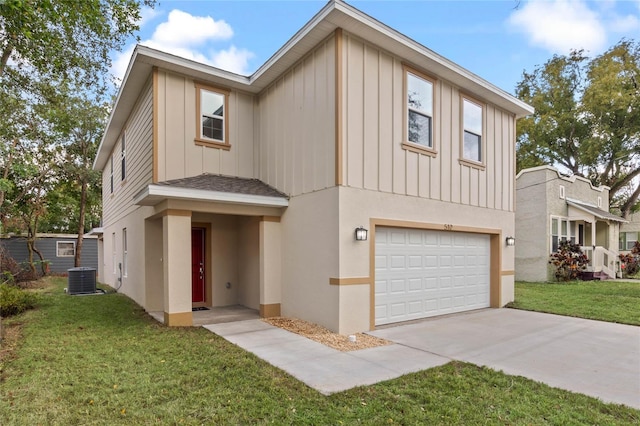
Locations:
322 335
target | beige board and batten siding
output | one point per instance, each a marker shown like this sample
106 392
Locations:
296 125
118 211
178 154
139 162
373 133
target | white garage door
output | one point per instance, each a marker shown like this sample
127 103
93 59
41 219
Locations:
422 273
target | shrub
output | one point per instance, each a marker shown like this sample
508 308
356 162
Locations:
569 261
14 301
9 268
630 262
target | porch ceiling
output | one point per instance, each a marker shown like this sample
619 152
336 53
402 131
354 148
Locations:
596 212
214 188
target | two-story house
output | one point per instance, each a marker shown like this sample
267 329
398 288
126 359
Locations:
221 189
553 207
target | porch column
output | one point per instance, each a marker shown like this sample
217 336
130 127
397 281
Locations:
270 267
176 267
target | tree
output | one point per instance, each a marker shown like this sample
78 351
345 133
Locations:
46 43
587 119
81 123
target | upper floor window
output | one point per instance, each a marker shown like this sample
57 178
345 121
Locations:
123 158
561 190
212 107
472 120
419 117
111 175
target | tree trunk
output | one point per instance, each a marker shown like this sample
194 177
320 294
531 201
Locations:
83 202
628 205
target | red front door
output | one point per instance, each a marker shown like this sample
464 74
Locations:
197 265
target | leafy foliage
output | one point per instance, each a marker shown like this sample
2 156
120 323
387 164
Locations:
14 301
631 261
587 119
569 261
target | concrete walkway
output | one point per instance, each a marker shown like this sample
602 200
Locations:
591 357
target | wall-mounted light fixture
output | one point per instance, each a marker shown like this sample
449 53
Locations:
511 241
361 233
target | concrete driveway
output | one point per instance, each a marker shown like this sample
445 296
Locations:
591 357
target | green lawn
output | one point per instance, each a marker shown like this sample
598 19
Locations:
612 301
102 360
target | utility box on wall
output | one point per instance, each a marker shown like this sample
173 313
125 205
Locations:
81 280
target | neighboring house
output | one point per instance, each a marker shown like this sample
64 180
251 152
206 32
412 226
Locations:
629 233
57 249
220 189
551 207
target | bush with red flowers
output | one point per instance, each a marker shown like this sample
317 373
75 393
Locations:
569 261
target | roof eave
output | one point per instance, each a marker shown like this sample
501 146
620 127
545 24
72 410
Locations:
154 194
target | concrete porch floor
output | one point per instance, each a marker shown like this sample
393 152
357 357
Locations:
217 315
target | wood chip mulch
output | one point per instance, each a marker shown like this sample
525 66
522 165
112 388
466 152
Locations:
320 334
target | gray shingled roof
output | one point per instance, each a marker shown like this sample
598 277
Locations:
220 183
602 214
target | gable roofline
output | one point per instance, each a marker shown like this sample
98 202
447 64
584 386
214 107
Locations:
566 178
335 14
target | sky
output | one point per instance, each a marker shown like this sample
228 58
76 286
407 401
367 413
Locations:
495 39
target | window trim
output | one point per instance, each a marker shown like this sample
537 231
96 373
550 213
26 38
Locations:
125 262
199 139
73 243
406 144
111 174
483 107
561 236
123 158
627 241
113 248
561 191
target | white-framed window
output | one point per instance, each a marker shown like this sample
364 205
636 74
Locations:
123 158
560 231
599 202
472 130
113 249
65 248
124 252
212 107
628 240
561 191
419 104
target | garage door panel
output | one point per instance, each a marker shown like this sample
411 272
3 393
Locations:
421 273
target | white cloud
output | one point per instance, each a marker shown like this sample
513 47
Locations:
623 24
233 59
184 35
183 29
147 14
560 25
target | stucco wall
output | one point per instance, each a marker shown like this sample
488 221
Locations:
538 192
310 257
360 207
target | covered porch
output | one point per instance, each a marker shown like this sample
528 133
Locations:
212 249
597 232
